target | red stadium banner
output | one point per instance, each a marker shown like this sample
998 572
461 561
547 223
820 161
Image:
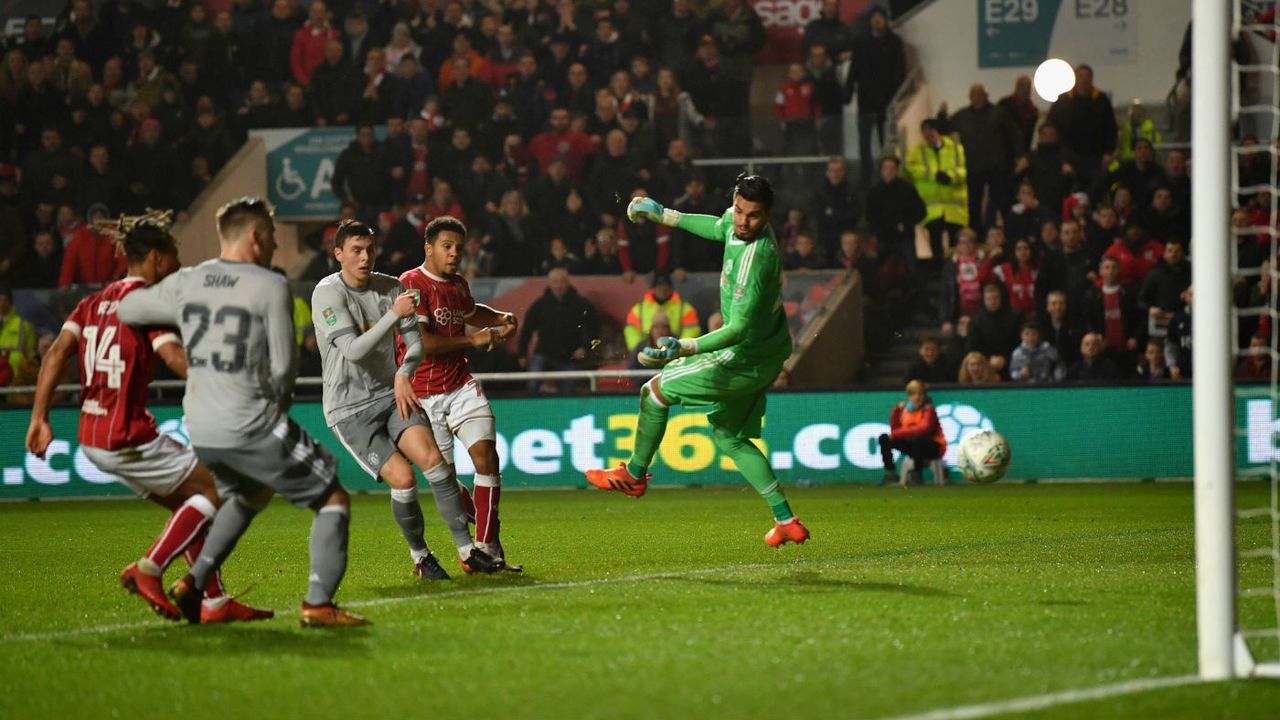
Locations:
784 22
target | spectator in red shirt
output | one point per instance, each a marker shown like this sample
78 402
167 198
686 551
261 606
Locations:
309 41
443 203
1019 277
91 258
914 432
1136 252
558 140
1112 310
961 282
796 108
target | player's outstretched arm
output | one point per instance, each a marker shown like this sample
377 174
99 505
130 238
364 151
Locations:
746 307
334 324
39 433
154 305
670 348
704 226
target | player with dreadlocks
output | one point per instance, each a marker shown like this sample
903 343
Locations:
117 433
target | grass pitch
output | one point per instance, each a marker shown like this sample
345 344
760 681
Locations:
904 602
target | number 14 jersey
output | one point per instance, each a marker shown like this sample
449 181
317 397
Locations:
117 362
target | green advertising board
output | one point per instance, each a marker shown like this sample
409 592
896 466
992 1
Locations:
300 165
1024 33
1102 433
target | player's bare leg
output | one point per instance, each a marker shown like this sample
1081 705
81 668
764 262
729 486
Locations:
407 511
488 480
419 445
193 504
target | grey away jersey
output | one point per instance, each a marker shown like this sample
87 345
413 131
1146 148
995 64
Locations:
237 328
357 347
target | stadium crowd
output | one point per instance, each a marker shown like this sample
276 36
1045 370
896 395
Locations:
1057 245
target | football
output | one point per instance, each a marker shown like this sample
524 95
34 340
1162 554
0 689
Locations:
984 457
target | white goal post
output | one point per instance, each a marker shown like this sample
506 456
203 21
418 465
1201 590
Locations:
1224 648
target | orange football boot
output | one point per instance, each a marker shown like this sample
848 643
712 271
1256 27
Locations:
328 615
783 533
619 480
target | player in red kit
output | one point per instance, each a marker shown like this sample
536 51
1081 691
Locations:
452 399
118 434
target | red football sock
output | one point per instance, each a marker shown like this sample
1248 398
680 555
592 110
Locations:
213 589
185 524
486 499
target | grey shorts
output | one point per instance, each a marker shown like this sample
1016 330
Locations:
371 434
288 461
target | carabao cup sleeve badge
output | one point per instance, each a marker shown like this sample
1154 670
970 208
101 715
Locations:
330 317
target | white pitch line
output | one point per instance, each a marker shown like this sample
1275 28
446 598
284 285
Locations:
1040 702
92 630
98 629
577 583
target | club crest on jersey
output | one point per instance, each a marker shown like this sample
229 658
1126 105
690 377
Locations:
445 317
330 317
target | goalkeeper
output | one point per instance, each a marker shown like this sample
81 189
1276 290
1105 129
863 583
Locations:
728 370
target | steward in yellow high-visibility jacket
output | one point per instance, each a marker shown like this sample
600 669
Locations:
937 168
661 298
17 336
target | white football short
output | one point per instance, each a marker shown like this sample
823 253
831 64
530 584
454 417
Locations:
156 468
464 412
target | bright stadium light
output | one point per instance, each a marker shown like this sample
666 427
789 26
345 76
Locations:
1054 77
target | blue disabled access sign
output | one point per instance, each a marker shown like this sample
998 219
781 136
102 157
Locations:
300 165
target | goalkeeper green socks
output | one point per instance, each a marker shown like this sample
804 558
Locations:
650 428
755 468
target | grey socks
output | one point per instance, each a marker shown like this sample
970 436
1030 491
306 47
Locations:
444 488
328 553
228 525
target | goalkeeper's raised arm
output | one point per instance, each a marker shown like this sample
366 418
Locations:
710 227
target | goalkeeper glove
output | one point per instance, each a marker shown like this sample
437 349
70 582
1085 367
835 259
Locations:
649 209
668 349
943 178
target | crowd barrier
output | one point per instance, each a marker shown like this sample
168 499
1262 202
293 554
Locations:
1102 433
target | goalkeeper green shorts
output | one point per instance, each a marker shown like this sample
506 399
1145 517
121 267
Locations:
735 395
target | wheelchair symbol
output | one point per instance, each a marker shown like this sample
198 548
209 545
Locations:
289 184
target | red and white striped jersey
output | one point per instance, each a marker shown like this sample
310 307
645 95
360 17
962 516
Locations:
117 362
443 306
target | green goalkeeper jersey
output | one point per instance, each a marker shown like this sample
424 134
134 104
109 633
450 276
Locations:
750 296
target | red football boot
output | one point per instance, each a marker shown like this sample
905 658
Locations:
233 611
783 533
150 589
619 480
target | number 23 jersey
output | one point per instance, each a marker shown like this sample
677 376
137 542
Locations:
116 364
236 321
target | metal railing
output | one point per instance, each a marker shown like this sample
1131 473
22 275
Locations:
751 162
593 378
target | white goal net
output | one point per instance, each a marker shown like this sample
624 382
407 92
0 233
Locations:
1252 115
